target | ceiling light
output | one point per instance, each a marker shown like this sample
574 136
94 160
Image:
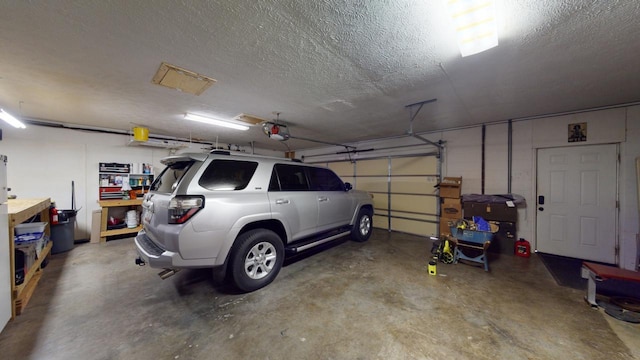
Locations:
476 25
214 121
11 120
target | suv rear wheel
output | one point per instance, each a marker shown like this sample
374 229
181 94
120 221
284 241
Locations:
256 260
361 230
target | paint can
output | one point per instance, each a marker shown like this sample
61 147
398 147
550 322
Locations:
432 267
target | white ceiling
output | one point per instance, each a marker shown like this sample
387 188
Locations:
337 70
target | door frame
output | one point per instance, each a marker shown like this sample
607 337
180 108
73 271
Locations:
616 238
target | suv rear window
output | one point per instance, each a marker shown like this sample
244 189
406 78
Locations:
228 175
290 177
170 177
324 180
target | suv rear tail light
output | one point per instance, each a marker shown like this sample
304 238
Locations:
183 208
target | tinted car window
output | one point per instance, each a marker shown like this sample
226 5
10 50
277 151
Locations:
324 180
227 175
274 184
292 177
170 177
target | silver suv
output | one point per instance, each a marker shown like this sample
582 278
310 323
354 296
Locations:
244 213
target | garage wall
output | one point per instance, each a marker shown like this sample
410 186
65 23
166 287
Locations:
462 157
42 162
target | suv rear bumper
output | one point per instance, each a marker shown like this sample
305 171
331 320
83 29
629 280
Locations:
157 257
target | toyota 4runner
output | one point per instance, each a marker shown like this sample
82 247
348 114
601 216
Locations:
244 212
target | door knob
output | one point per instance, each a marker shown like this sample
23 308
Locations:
541 208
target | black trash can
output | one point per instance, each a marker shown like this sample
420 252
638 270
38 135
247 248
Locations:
62 236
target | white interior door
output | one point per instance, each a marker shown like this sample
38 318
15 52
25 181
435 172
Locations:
577 211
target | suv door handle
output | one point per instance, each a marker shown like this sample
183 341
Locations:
323 199
282 201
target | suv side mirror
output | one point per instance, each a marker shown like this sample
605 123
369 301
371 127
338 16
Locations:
347 186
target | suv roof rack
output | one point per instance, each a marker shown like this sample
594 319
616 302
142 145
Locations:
220 152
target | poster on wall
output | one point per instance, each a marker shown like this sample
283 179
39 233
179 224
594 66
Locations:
578 132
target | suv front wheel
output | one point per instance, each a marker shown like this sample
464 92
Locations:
256 260
361 230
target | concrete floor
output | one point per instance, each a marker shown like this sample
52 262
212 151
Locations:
372 300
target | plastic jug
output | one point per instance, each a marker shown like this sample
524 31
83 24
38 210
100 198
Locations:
523 248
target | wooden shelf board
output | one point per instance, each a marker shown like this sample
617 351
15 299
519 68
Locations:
23 299
120 231
21 210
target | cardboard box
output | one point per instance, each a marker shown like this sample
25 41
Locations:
451 208
450 187
490 211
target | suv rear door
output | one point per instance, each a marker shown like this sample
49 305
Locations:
292 201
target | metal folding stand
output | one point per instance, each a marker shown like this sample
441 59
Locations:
473 240
482 258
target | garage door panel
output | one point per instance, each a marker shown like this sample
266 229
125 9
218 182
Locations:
372 167
380 222
373 184
421 165
411 215
343 169
413 227
380 201
413 184
414 203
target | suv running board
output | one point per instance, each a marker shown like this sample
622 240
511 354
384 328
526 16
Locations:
304 245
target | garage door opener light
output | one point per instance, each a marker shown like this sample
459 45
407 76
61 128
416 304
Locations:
214 121
11 120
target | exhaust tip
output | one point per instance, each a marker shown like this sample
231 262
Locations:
140 262
167 273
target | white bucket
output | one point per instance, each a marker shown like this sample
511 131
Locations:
132 219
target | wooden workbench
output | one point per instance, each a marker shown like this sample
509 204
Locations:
21 210
106 204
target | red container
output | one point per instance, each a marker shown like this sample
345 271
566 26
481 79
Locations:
523 248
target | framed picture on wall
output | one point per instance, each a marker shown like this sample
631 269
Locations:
578 132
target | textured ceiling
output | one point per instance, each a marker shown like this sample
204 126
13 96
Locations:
337 70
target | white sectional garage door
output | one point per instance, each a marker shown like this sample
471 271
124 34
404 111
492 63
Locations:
403 190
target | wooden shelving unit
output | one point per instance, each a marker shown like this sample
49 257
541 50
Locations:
21 210
106 204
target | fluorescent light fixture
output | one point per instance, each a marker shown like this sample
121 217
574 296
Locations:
11 120
476 25
213 121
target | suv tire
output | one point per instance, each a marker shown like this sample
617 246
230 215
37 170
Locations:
256 260
361 230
